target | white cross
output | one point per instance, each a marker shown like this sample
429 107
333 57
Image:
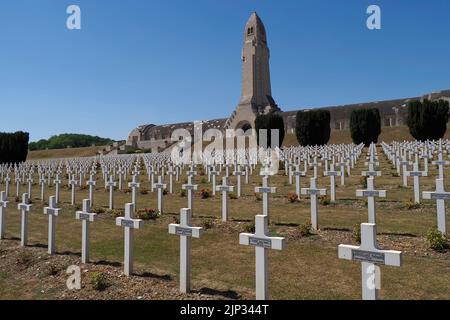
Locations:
416 174
371 193
297 173
213 173
313 192
42 183
72 182
30 184
290 172
17 180
404 163
425 158
25 208
225 188
227 170
7 181
171 173
192 171
52 211
190 187
151 177
262 243
129 223
238 173
86 218
370 255
265 190
332 174
440 195
246 169
91 183
111 184
441 163
49 177
342 165
57 184
120 172
186 232
265 171
160 186
136 171
371 172
3 205
315 165
134 185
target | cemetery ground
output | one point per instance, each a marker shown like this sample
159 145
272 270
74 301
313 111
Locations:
399 133
308 268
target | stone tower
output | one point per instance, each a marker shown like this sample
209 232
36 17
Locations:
256 95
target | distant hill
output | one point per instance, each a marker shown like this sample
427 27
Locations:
69 140
64 153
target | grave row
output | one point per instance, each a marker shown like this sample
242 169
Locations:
160 165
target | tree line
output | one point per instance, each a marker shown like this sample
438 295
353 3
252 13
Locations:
427 120
71 140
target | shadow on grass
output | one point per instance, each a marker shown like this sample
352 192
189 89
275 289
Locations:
12 238
286 224
241 220
108 263
229 294
68 253
164 277
400 234
336 229
38 245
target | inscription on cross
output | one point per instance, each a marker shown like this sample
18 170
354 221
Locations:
370 255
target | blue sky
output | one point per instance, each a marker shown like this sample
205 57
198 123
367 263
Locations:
143 61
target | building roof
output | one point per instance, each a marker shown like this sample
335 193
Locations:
165 131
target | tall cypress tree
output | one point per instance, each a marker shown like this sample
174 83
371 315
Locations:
365 126
271 121
427 120
313 127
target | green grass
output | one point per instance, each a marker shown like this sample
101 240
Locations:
307 269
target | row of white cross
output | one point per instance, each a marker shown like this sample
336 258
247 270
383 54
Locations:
368 252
